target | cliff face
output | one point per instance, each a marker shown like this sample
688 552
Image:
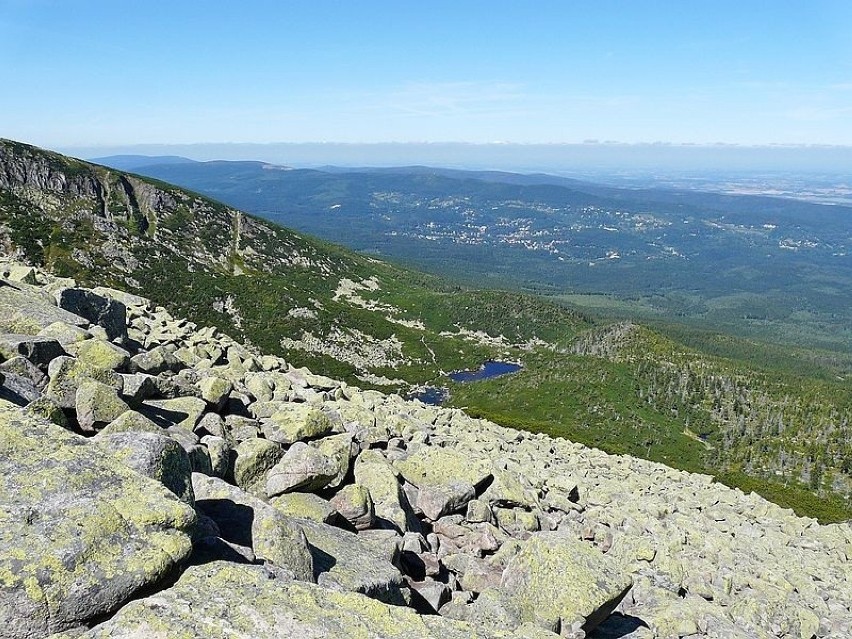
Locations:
293 296
100 225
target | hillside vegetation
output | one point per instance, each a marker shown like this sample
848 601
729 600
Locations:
759 267
768 425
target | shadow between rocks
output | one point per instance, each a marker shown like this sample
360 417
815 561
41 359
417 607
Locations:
617 626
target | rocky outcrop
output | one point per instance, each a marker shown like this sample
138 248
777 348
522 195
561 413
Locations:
245 497
253 602
79 532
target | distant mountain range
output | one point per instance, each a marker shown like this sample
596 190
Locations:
133 162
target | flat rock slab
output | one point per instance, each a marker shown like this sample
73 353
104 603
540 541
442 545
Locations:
447 479
24 309
247 521
556 579
79 532
39 350
230 600
346 561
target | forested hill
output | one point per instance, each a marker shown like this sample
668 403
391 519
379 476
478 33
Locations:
772 268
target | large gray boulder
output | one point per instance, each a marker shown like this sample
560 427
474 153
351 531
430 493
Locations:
375 473
156 456
292 422
67 373
446 478
253 458
556 580
97 405
107 313
98 353
342 450
80 533
354 504
26 310
179 411
247 521
302 468
39 350
346 561
250 601
17 389
155 361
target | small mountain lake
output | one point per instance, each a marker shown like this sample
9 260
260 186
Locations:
489 369
435 395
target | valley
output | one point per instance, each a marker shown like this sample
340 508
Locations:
766 268
766 417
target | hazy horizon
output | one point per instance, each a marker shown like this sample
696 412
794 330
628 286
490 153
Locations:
588 158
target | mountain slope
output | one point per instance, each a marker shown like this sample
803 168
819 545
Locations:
758 266
379 326
351 314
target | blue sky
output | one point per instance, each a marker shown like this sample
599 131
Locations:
91 72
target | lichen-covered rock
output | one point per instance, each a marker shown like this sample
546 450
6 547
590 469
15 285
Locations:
79 532
446 479
97 405
293 422
98 353
557 578
107 313
375 473
305 506
39 350
22 367
27 310
65 334
302 468
342 450
215 391
18 389
252 602
267 386
433 594
67 373
507 489
219 452
138 387
184 412
247 521
19 273
346 561
253 458
155 456
354 504
155 361
46 408
131 422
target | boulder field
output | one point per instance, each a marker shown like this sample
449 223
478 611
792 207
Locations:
159 479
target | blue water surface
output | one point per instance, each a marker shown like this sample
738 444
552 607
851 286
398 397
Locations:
430 395
489 369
